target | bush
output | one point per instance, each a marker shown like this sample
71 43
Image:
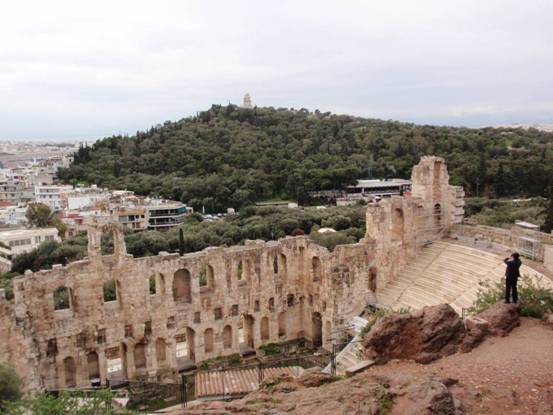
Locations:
10 386
95 403
535 299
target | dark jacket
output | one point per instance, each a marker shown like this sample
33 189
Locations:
513 266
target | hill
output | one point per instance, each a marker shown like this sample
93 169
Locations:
230 156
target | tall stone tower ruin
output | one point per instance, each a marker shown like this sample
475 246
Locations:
443 203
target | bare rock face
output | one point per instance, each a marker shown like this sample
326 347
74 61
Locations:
431 333
502 318
423 397
364 394
476 331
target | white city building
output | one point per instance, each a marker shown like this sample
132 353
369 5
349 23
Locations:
19 241
51 195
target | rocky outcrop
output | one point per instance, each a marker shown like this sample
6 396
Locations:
363 394
502 318
431 333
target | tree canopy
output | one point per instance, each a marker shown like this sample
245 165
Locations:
229 156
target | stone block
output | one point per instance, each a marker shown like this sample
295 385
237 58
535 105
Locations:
359 367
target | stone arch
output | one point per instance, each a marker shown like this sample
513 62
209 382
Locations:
161 350
437 214
275 264
93 365
185 349
316 268
110 291
282 324
264 328
397 224
182 290
271 304
373 273
207 278
248 324
139 354
227 337
316 329
290 300
208 340
62 298
210 277
152 284
240 271
70 372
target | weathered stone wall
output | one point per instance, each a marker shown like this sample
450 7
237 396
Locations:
123 318
513 239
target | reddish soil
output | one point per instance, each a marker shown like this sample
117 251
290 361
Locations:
504 375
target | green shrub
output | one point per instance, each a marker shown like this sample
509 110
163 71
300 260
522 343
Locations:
87 403
535 299
10 386
271 349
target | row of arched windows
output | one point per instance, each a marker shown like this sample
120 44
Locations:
182 283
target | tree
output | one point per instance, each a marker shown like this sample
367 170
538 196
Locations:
548 225
39 215
499 182
10 386
181 242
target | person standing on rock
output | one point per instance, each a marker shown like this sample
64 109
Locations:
511 277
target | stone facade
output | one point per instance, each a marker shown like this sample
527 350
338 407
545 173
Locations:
117 317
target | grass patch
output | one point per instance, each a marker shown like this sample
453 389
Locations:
271 349
385 404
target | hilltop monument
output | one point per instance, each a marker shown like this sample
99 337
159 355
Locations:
247 101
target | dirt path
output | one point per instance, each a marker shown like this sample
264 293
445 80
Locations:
509 375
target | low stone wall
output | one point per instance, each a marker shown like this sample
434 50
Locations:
511 239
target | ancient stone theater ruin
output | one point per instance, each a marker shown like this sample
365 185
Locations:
117 317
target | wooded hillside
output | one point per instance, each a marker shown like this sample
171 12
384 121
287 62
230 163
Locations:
230 156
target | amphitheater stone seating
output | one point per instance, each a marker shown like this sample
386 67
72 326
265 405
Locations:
446 272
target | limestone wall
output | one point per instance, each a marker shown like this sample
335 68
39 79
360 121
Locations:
120 317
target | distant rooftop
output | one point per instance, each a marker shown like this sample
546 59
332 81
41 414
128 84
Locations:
377 183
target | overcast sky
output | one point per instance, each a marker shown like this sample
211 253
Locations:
76 69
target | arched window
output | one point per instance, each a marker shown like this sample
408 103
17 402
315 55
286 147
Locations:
282 324
70 372
275 265
437 215
207 277
271 304
316 267
208 340
62 298
397 224
161 350
152 284
239 271
316 329
140 356
227 337
110 291
181 286
264 328
372 278
93 365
